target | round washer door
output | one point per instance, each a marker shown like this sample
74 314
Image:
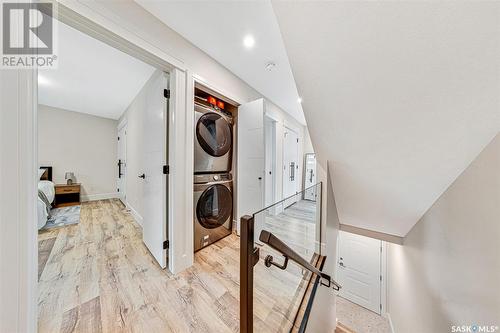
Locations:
214 134
214 207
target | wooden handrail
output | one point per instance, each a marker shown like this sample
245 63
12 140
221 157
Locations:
274 242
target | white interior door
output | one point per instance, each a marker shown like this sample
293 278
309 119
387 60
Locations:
154 228
250 187
310 177
122 163
270 160
359 270
290 165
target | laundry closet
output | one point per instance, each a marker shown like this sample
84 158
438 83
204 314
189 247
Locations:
214 201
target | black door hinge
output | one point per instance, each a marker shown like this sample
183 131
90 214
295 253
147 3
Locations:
166 244
166 93
166 169
118 138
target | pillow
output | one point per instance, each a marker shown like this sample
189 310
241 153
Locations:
41 172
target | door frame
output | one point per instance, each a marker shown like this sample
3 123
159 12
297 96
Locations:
304 170
383 273
269 121
123 125
296 132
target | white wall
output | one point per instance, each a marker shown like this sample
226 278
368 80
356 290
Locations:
80 143
448 270
308 146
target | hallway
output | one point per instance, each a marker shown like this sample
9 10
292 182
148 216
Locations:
97 276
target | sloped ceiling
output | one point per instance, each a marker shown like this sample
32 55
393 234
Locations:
92 77
399 98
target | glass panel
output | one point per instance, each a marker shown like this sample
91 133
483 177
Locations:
214 206
278 293
214 134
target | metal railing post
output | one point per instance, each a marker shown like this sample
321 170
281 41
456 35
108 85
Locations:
249 256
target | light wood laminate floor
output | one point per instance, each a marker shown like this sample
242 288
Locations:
97 276
296 225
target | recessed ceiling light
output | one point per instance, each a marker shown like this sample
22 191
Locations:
299 99
248 41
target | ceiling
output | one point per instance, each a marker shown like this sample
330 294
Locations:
399 98
102 85
219 27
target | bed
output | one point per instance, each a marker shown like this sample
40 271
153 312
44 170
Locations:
46 197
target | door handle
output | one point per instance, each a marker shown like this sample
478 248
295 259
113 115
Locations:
120 174
143 176
341 264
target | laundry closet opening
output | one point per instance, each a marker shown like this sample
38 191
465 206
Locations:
214 166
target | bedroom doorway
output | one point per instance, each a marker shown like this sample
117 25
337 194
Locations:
122 162
98 130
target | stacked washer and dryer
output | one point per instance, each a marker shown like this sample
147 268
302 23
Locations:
213 183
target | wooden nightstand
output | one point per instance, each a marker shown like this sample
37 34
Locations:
67 195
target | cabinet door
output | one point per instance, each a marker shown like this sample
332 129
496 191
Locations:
250 164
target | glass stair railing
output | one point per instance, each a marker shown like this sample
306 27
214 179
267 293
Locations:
280 264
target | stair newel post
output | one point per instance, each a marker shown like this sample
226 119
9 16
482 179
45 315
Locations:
249 256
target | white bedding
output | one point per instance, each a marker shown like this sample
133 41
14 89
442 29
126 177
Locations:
47 187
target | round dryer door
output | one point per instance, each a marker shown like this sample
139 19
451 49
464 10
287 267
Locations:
214 207
214 134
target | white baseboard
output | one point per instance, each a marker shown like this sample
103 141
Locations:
388 316
100 196
135 214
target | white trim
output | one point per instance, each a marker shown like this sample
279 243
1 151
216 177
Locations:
270 115
383 272
122 123
223 92
18 197
372 234
122 195
137 217
100 196
388 316
180 150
